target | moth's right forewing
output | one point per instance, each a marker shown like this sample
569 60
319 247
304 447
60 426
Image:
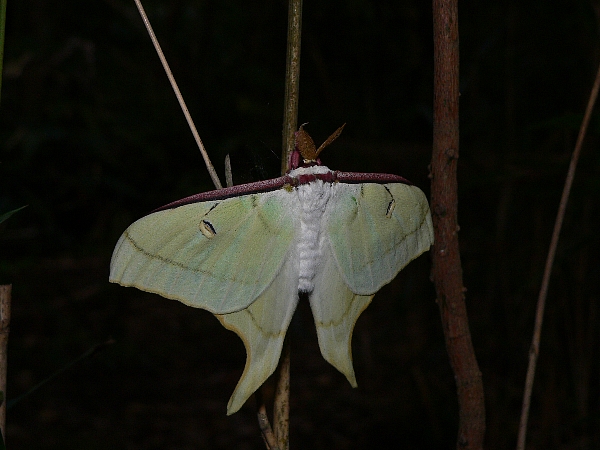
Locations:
375 230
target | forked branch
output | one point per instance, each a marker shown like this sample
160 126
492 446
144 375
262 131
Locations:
264 424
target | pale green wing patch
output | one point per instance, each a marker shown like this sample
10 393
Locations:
217 255
262 327
375 230
336 309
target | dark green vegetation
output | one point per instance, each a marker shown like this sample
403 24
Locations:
92 138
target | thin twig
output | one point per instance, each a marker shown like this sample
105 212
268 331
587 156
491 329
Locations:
5 291
292 81
211 170
446 270
263 422
541 302
281 406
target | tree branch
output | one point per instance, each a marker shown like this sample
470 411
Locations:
447 271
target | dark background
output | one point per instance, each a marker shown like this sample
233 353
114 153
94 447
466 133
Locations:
92 139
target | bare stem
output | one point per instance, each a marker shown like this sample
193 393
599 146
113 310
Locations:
446 270
281 407
211 170
541 302
292 81
5 293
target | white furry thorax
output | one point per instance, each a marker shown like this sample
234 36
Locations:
313 198
310 170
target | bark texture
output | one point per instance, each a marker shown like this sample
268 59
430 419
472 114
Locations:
447 271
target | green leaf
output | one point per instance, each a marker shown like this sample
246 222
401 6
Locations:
5 216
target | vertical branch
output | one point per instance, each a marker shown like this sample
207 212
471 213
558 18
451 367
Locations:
292 80
5 291
541 302
447 271
281 407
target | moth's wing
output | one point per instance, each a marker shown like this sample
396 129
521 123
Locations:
218 255
371 232
262 327
335 310
375 230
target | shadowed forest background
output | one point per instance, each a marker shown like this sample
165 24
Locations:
92 138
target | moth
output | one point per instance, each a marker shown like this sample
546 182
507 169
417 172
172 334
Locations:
245 252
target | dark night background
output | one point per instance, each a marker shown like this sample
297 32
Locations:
92 139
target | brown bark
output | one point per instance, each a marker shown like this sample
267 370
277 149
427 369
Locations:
447 271
292 81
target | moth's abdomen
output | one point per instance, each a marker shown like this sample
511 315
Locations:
313 198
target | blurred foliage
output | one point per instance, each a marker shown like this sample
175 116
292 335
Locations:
6 215
92 138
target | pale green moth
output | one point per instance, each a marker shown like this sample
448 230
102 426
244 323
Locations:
245 252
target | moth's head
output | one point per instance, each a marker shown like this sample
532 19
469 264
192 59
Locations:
305 153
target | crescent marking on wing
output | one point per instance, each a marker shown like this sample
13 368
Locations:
391 204
207 229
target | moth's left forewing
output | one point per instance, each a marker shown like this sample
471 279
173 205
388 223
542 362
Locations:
375 230
219 255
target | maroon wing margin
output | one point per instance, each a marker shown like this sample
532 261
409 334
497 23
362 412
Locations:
233 191
358 177
277 183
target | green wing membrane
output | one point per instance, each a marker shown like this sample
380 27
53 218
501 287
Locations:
375 230
336 309
262 327
217 255
372 232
